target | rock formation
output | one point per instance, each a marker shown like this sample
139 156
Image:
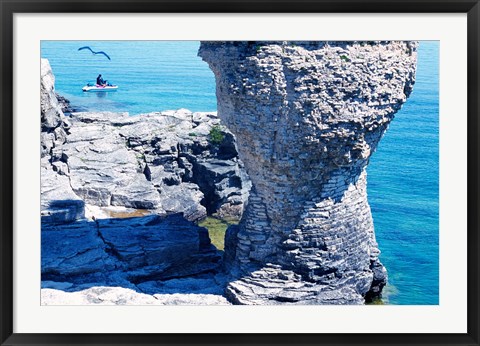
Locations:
58 202
125 296
164 162
125 251
54 123
98 168
307 117
157 161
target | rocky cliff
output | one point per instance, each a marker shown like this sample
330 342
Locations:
58 202
54 123
307 117
120 195
163 162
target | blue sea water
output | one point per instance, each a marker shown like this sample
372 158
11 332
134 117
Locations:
403 190
403 174
151 75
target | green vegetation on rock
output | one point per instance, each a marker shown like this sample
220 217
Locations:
216 135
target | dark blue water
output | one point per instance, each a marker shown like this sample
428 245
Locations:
402 176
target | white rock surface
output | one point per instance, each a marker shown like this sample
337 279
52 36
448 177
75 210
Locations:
124 296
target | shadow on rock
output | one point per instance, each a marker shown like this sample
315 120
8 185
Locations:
151 254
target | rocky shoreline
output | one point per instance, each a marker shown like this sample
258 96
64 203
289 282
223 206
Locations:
121 197
307 116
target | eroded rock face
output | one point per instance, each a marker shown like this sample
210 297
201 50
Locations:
163 162
58 202
101 170
307 116
54 123
126 251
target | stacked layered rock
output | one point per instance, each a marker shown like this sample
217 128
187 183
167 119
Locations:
58 203
307 117
54 123
163 162
162 166
124 252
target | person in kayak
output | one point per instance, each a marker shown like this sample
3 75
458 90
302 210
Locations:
100 80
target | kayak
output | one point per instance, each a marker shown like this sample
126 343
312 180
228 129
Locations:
100 88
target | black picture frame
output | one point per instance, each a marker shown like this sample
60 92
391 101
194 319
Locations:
10 7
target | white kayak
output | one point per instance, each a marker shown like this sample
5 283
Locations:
100 88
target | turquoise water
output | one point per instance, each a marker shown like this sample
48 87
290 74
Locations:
403 190
403 173
152 75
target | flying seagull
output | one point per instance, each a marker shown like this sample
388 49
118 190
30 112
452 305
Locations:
90 49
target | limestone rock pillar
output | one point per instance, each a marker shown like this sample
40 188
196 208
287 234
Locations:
307 117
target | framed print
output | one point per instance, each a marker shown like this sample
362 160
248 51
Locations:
239 173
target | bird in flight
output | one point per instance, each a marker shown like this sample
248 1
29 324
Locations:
90 49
